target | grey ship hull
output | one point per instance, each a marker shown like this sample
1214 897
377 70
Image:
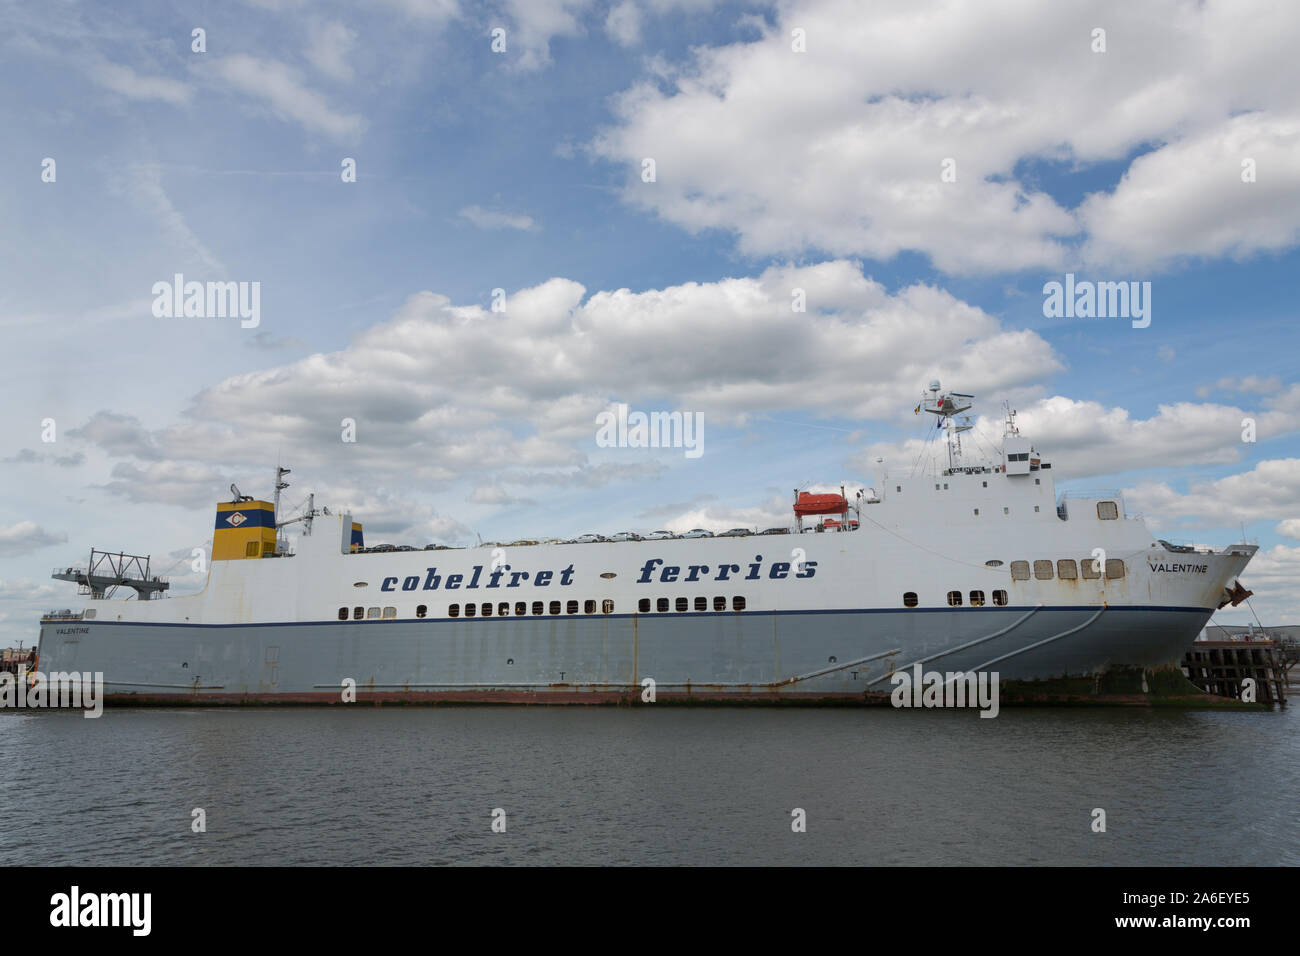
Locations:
813 656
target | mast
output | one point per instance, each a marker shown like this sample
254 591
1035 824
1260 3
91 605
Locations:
948 405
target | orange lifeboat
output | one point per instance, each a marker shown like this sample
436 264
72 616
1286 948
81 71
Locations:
811 504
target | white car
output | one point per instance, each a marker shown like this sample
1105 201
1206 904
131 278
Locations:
660 536
697 533
626 536
586 539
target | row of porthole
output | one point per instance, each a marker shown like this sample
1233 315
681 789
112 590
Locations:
954 599
1068 570
472 610
682 605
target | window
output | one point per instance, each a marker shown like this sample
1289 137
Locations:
1114 568
977 599
954 599
1089 567
555 607
719 604
1107 510
343 614
588 607
390 613
977 512
1035 507
985 484
421 610
1006 511
661 605
521 608
1019 570
1043 570
1067 570
643 605
358 613
453 611
537 607
738 604
251 550
683 604
372 614
487 608
909 599
1000 598
470 610
571 607
607 606
503 609
701 603
993 563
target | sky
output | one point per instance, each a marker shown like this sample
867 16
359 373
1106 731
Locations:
476 227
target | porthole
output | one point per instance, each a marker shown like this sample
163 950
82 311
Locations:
1000 598
737 603
421 610
719 604
521 608
995 563
608 575
343 614
571 607
976 598
954 599
607 606
555 607
453 611
683 604
360 584
701 603
643 605
661 605
588 607
909 599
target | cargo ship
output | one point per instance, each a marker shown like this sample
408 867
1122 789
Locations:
973 566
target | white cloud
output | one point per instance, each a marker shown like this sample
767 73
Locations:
1246 384
460 391
143 183
1269 491
329 45
433 11
624 23
488 219
840 148
27 536
282 89
1086 438
534 23
127 82
1290 528
1187 199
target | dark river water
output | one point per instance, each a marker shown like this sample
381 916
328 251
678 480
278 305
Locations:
649 786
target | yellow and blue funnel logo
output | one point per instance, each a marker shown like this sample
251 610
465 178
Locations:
245 529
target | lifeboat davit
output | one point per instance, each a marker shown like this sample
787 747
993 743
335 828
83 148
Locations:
811 504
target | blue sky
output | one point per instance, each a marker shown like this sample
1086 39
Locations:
521 170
